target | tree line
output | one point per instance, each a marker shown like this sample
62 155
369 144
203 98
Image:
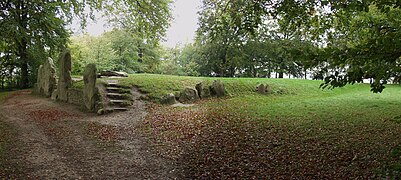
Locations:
340 42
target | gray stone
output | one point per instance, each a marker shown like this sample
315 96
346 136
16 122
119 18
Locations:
203 91
177 95
264 89
261 89
188 95
217 89
75 96
38 86
35 88
100 111
90 90
46 80
64 82
168 99
113 73
54 95
269 89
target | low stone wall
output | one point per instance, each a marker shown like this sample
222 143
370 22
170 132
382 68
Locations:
76 97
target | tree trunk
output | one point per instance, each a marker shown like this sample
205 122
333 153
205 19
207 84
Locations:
23 65
23 44
255 72
281 74
24 75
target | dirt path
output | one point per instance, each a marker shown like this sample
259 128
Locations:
57 140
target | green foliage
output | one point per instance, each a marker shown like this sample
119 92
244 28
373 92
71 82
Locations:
366 46
248 39
32 30
149 19
357 39
180 61
224 25
117 50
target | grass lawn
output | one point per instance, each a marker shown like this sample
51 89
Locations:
302 133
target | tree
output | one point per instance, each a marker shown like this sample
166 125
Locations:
118 50
181 61
320 21
368 45
29 28
224 26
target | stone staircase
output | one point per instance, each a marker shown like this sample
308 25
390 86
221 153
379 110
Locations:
119 97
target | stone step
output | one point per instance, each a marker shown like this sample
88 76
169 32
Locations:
118 96
120 103
118 90
119 109
111 110
112 85
116 85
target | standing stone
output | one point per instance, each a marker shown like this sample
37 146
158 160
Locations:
217 88
50 82
46 80
168 99
269 89
64 82
264 89
90 91
203 91
261 89
188 95
38 85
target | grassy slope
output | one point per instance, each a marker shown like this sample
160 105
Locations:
159 85
346 132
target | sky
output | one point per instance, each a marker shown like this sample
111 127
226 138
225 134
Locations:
185 21
181 31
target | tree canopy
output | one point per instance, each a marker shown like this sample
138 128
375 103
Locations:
32 30
341 41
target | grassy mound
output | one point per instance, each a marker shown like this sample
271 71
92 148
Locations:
159 85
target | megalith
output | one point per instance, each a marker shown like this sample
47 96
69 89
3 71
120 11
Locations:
46 80
203 91
90 90
38 85
168 99
188 95
261 89
65 81
264 89
217 89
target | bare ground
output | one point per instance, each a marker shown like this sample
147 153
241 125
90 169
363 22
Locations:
58 140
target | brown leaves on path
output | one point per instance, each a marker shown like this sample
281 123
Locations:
51 114
106 133
219 143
